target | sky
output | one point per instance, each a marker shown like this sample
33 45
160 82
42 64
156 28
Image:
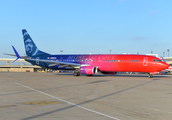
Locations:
87 26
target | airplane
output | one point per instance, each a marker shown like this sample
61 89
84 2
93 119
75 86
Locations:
90 64
169 69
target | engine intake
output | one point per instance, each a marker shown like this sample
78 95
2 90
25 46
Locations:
89 70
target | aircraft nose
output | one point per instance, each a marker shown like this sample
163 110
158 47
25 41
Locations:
164 65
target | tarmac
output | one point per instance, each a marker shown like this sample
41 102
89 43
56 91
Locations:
62 96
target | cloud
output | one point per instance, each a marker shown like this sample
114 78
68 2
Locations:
120 1
152 12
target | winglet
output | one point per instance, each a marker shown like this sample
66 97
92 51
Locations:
17 55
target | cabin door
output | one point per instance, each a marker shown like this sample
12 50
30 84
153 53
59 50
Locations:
145 61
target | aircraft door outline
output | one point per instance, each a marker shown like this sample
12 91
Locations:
145 61
37 60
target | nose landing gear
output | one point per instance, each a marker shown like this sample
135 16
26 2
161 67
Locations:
150 76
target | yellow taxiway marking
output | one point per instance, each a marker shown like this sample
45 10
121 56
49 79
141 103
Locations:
41 103
73 104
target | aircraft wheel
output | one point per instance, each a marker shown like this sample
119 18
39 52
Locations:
76 73
150 76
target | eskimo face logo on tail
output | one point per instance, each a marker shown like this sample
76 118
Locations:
30 46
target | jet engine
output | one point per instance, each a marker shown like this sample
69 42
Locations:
89 70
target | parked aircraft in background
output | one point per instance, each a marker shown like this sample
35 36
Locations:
90 64
169 69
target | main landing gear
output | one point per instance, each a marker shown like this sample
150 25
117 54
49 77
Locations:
150 76
76 73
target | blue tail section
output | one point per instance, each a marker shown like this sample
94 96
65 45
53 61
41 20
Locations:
16 53
30 47
162 59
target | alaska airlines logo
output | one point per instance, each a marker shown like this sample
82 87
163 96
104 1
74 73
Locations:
25 34
30 47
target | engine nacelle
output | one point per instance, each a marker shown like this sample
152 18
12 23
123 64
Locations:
89 70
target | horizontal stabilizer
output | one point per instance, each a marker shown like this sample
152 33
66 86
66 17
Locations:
22 57
9 54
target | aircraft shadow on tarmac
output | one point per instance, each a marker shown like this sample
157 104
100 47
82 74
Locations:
67 86
88 101
115 75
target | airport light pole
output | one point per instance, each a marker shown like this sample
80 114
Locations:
61 51
151 52
163 54
110 51
168 51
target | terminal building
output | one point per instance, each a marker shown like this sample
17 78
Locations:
6 64
168 60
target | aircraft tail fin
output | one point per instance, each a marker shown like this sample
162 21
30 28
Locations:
30 47
162 59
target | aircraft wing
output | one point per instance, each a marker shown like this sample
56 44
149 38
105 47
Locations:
62 64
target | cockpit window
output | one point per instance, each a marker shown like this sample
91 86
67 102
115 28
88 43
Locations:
157 60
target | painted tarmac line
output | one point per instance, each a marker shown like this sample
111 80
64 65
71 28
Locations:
161 111
93 111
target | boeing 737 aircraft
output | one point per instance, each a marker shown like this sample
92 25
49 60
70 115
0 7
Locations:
90 64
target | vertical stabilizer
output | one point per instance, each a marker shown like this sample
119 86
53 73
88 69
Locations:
30 47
